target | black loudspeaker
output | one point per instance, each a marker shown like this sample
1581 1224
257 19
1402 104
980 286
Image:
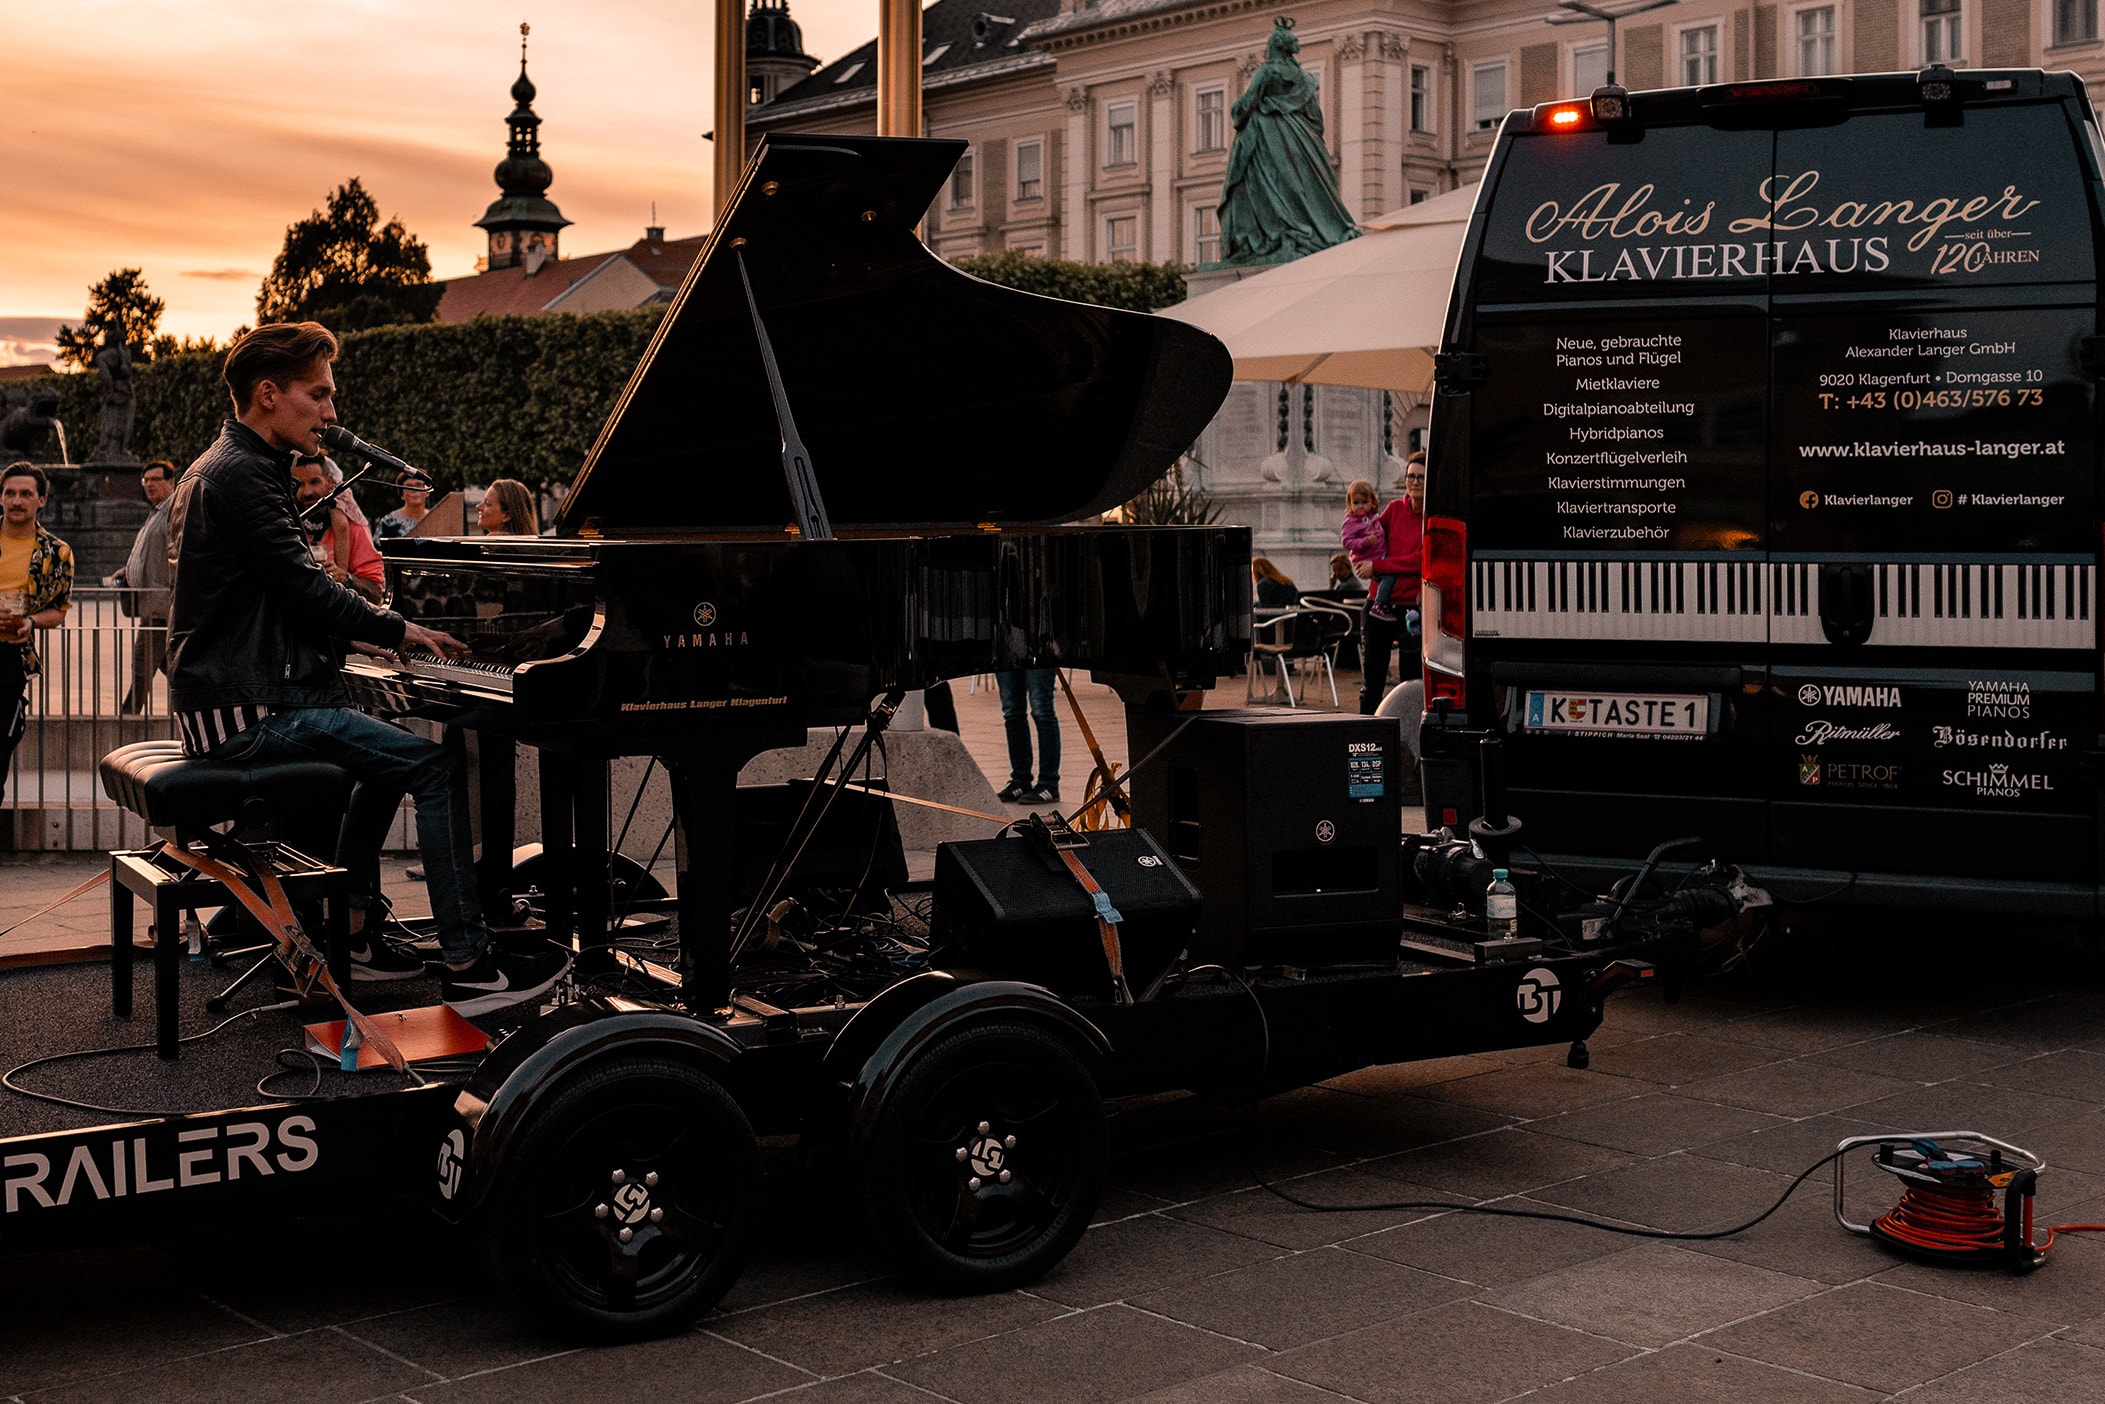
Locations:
1290 824
1007 906
860 836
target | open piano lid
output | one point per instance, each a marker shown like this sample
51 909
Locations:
927 398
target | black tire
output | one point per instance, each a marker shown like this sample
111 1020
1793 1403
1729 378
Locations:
551 1228
987 1159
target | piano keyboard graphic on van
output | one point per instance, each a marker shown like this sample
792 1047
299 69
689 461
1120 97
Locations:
2034 604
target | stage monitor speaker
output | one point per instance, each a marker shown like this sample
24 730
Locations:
1289 823
859 837
1007 906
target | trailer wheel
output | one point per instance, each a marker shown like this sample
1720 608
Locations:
625 1209
987 1159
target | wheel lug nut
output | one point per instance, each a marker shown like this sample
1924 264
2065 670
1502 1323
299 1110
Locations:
961 1152
627 1234
657 1215
599 1211
651 1179
1008 1142
1004 1177
972 1183
621 1176
985 1127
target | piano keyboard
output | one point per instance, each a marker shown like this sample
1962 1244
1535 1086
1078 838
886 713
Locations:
2036 604
480 674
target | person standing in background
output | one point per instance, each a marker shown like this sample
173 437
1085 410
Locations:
36 587
1032 686
416 504
508 510
145 578
1403 527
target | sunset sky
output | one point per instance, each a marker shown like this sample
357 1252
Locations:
182 136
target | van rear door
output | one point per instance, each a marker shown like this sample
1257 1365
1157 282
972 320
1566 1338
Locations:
1934 505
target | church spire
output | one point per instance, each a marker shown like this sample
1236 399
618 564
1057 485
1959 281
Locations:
523 223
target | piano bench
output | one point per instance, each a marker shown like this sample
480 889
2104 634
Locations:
154 780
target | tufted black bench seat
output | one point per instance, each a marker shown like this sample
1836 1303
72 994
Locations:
154 780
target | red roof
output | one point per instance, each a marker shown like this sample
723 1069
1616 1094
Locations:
509 291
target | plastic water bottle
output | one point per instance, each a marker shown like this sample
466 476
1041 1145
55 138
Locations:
1501 906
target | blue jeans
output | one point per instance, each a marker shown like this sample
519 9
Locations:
1037 684
385 763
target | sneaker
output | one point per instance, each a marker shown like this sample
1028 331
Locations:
1044 794
374 961
1015 792
1382 612
499 979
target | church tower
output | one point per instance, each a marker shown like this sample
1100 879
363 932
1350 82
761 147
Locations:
775 56
523 223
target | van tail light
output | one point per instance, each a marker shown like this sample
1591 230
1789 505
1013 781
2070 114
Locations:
1444 608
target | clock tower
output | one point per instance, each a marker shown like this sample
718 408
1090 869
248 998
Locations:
523 223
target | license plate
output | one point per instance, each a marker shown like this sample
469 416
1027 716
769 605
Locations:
1620 713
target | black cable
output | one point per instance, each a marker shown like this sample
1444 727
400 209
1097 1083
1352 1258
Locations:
1815 901
7 1079
311 1094
1264 1025
1448 1206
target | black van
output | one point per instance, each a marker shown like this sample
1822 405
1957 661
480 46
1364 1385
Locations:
1764 502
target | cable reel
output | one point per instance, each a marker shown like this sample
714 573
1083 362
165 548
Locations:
1947 1211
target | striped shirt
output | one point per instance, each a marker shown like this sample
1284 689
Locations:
207 730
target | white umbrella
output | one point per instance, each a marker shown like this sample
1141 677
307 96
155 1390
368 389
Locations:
1367 312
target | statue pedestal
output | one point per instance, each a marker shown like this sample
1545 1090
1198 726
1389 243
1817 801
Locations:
97 509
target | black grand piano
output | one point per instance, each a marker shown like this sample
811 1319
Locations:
841 469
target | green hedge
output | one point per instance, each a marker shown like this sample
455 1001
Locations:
517 397
1138 287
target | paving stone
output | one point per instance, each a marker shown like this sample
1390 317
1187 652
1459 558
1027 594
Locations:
1683 1373
1108 1354
1971 1106
2040 1372
1802 1238
1792 1147
837 1333
1916 1056
1501 1162
314 1364
2069 1290
2042 1025
1813 1028
1877 1336
1536 1090
2078 1143
1303 1297
780 1272
1264 1216
1652 1294
1403 1078
1655 1124
1676 1059
1245 1384
70 1336
1797 1088
459 1337
1178 1171
1124 1259
1461 1353
1115 1204
2068 1072
1682 1193
1354 1126
869 1387
1487 1249
706 1369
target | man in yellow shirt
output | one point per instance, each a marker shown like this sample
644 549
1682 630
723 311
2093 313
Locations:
36 585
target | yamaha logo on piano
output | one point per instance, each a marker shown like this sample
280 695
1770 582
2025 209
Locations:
704 615
705 635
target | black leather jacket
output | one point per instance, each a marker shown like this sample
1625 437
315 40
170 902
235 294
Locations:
253 618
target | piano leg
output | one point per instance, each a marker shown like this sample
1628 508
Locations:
497 760
703 791
557 810
588 857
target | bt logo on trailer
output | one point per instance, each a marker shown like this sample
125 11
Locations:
1538 995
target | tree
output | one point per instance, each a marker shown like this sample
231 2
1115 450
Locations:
119 303
342 267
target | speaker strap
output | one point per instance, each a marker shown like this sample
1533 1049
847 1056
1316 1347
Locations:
1107 923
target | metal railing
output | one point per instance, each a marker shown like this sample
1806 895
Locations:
101 687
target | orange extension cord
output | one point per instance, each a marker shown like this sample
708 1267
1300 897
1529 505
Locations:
1960 1219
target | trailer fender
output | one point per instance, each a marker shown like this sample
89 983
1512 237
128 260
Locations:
528 1064
865 1059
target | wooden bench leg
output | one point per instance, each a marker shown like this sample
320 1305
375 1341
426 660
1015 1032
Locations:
167 969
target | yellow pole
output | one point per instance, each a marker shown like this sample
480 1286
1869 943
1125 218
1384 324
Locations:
899 68
730 99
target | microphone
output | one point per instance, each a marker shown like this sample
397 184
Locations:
341 440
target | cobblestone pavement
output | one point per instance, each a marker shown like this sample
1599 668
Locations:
1196 1285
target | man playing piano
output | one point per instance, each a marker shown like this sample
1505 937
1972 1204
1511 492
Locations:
254 654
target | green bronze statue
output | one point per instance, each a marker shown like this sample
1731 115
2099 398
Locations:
1281 196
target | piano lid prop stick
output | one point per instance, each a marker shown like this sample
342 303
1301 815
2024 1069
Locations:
812 523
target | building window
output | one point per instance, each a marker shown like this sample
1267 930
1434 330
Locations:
1205 234
1589 68
1210 120
1030 170
1488 105
2075 21
961 188
1943 32
1031 250
1419 196
1421 98
1816 40
1699 56
1120 144
1122 238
